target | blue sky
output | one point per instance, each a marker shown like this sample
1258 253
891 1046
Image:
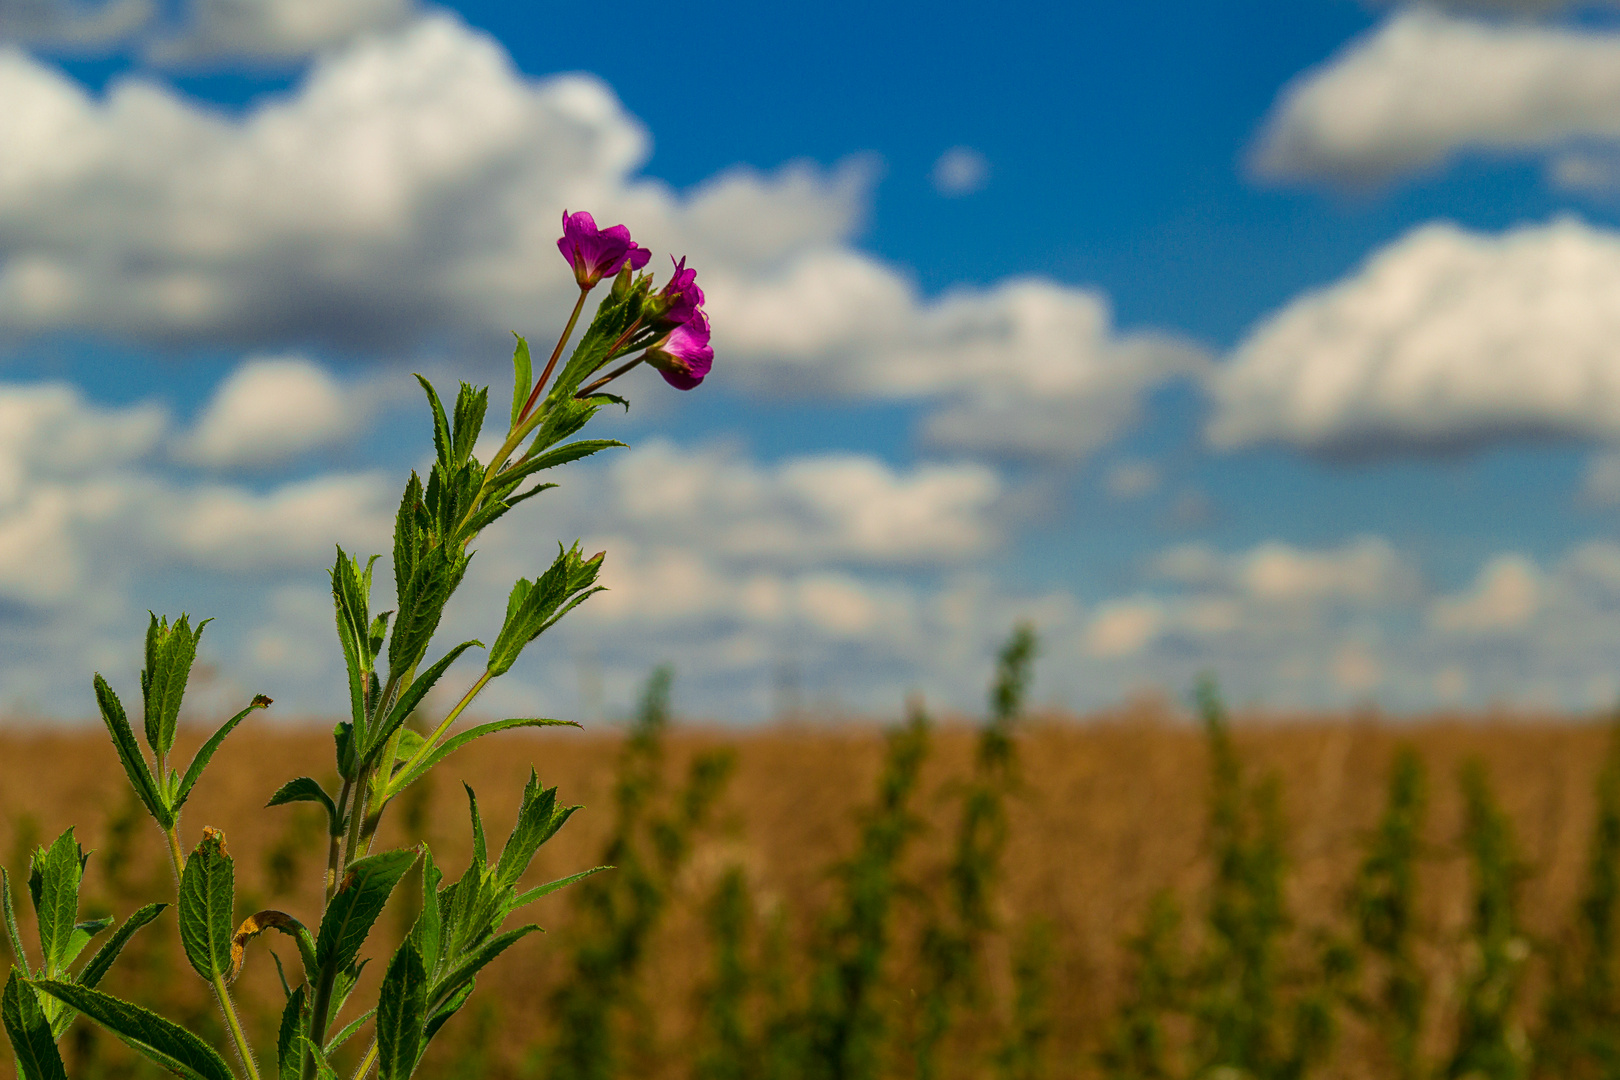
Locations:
1276 340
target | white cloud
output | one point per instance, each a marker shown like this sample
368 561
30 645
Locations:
273 29
1426 86
961 170
811 509
1366 571
1444 338
1506 596
63 24
1132 479
1123 629
295 525
1027 367
268 410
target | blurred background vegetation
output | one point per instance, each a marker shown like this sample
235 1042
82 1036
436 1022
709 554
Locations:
1145 894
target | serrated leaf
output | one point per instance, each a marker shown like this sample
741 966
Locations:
425 931
534 607
350 600
343 743
129 754
307 789
30 1033
81 937
344 985
412 697
464 970
18 957
323 1067
401 1012
556 456
57 903
421 605
456 742
354 908
446 1011
472 402
522 377
480 851
207 897
348 1031
441 426
289 1051
161 1040
170 652
524 899
528 832
205 753
103 958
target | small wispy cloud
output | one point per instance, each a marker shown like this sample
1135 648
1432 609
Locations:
961 170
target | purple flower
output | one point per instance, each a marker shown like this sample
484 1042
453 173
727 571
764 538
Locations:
681 298
597 253
684 357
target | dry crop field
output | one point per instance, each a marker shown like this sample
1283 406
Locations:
1107 811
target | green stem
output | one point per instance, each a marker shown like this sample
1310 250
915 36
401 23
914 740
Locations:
438 732
568 331
334 850
243 1050
367 1062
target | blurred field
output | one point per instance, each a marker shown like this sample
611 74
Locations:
1111 809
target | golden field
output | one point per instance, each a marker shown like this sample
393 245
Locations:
1110 810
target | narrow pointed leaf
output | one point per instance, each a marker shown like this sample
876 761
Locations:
307 789
164 1041
205 753
464 971
348 1031
522 377
289 1051
359 900
103 958
401 1012
552 886
446 1011
30 1033
57 905
527 832
560 455
170 652
18 957
456 742
441 426
323 1067
413 695
207 897
480 851
129 754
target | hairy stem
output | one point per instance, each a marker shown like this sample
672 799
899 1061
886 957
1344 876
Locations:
238 1036
367 1062
438 732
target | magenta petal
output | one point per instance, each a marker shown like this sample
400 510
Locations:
680 380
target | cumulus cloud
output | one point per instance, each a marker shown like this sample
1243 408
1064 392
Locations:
273 29
1426 86
406 192
1505 596
268 410
1445 338
61 24
1367 570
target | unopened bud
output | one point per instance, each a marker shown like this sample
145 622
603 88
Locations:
622 282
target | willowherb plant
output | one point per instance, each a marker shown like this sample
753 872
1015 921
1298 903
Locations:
459 929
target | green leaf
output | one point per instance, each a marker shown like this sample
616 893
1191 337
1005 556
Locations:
343 739
170 652
205 754
29 1032
446 1011
103 958
550 887
425 931
350 600
323 1067
522 377
471 405
463 972
82 934
348 1031
401 1011
129 754
421 603
456 742
528 832
354 908
614 316
164 1041
412 697
18 957
207 896
534 607
480 851
289 1051
57 904
560 455
441 426
307 789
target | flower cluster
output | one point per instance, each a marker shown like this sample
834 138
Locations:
674 329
